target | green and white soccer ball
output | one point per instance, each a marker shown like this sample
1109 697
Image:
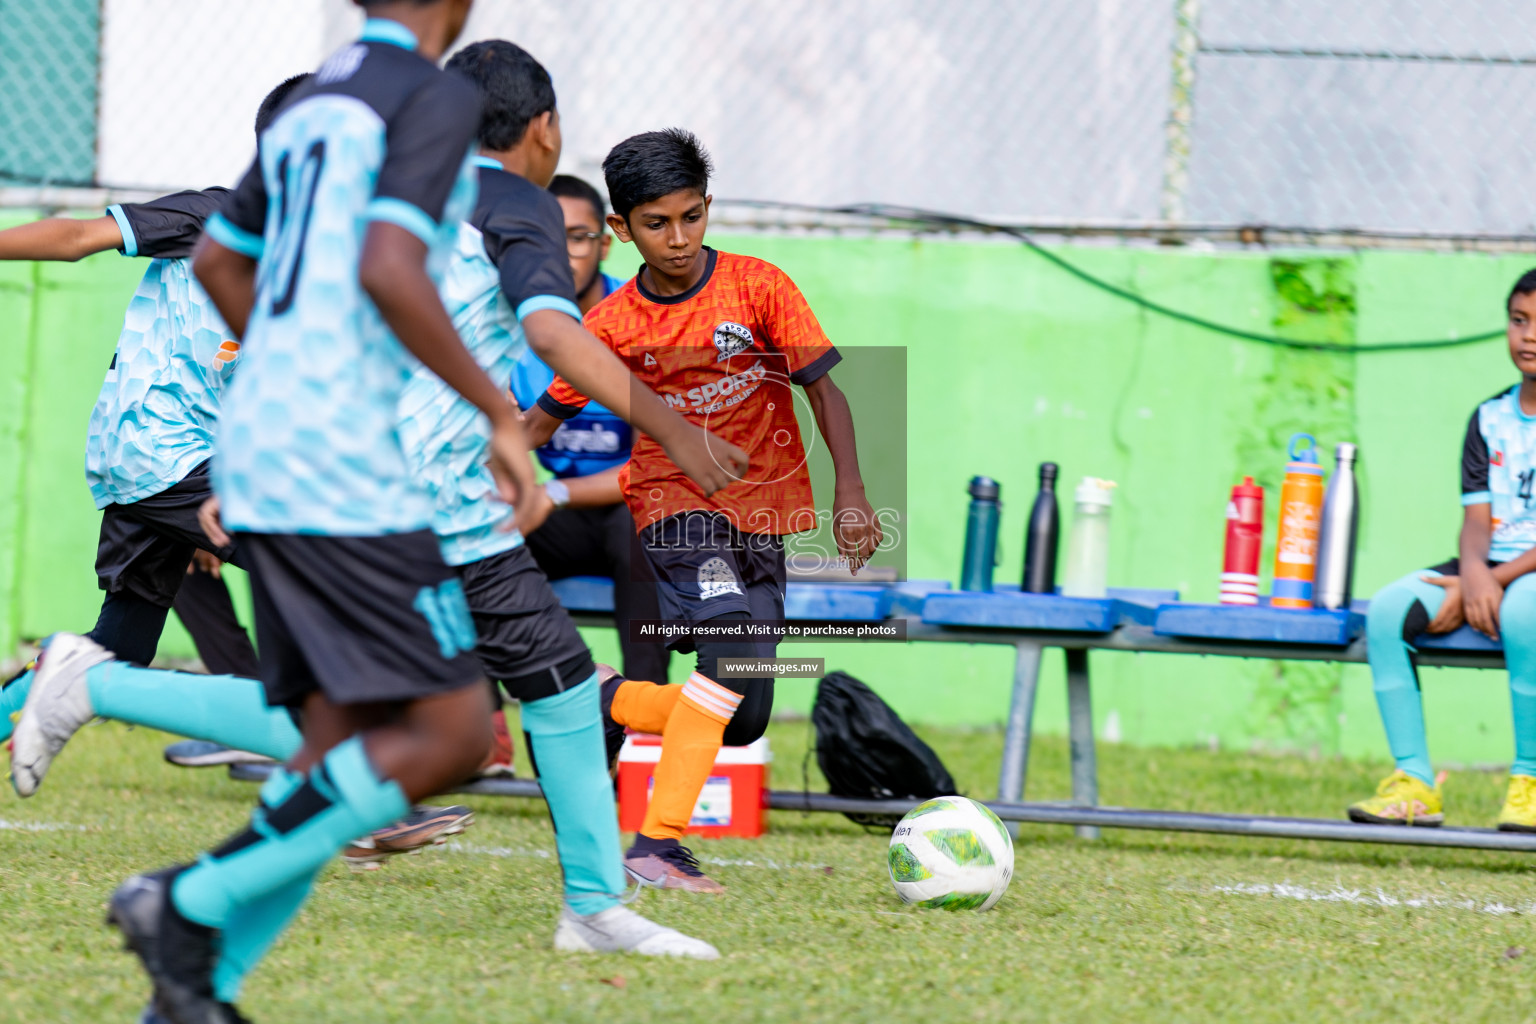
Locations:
953 853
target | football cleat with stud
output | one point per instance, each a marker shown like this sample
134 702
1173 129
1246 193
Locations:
59 704
621 930
423 827
1402 799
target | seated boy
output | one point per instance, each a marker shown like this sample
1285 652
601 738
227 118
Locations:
721 337
1486 586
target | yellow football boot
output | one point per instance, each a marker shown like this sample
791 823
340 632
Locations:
1519 813
1402 799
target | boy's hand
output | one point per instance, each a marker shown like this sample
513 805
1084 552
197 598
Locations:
712 463
1451 614
854 527
513 470
208 519
1481 596
538 511
208 562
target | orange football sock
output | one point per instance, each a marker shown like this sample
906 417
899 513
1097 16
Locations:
643 706
689 744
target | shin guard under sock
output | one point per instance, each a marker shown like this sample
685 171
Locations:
689 744
230 710
340 799
252 929
644 706
565 733
1392 672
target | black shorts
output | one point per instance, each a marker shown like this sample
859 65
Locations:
146 545
705 568
360 619
524 638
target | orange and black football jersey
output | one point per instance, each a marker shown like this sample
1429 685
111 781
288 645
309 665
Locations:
724 354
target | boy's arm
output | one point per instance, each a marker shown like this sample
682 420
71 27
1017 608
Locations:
592 369
595 491
1481 592
854 525
62 239
394 274
229 278
539 426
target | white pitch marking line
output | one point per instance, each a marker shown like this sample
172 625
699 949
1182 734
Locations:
38 826
514 853
1372 897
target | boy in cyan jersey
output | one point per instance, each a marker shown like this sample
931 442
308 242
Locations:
585 528
506 285
151 430
722 337
1487 585
324 262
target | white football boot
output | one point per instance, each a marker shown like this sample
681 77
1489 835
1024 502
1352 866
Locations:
621 930
59 704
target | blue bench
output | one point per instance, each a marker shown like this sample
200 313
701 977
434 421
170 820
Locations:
1135 620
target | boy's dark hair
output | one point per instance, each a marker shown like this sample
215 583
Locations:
274 101
1525 286
572 187
514 87
645 167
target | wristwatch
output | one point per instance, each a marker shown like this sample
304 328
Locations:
558 493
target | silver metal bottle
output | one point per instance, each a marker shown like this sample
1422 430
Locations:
1337 533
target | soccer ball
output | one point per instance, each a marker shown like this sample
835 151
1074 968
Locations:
953 853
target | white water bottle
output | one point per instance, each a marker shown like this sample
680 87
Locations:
1087 573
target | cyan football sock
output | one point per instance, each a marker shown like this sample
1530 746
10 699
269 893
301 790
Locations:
12 698
129 626
1392 673
230 710
252 929
340 799
566 735
1517 628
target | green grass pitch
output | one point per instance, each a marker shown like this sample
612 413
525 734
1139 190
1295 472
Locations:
1138 926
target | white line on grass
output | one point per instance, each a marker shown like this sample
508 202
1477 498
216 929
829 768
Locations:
1372 897
727 862
38 826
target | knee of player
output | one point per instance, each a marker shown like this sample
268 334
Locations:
747 725
1396 614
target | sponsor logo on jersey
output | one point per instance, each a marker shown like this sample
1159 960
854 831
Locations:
716 395
342 65
1498 458
228 351
731 339
650 360
596 439
716 579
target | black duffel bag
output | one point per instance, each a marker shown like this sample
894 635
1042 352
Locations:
867 752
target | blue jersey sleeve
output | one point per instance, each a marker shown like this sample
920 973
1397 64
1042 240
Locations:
168 227
427 142
242 221
526 241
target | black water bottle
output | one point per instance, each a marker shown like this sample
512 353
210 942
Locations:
1040 536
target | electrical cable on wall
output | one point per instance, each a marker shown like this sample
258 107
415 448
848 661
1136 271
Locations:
913 215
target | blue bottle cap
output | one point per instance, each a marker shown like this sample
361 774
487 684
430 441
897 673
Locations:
1303 448
984 488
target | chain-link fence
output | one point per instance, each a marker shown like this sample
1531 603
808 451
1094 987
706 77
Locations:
1403 117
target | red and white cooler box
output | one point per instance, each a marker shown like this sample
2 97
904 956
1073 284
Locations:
734 801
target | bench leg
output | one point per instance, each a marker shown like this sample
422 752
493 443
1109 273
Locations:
1021 714
1085 768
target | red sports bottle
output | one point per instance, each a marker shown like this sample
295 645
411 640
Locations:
1245 536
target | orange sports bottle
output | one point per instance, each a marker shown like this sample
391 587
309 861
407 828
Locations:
1301 510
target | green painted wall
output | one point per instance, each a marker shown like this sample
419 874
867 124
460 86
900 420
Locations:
1009 362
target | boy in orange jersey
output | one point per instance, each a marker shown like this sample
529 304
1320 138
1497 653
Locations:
721 337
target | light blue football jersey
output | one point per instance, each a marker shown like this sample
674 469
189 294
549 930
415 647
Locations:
308 440
509 262
1498 466
155 418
